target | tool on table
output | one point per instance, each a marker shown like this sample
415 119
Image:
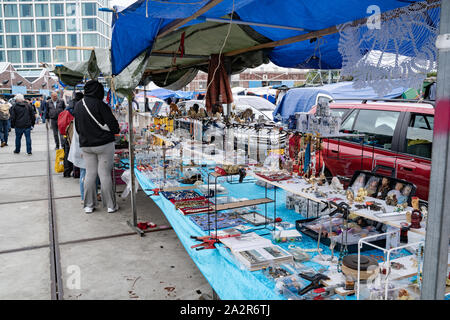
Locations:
155 192
316 282
208 242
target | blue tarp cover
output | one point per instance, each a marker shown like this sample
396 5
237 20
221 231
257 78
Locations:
134 29
303 99
228 277
164 94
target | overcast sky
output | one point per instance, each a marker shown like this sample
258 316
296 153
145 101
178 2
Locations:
123 3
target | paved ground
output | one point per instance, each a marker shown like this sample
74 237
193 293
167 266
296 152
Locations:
117 266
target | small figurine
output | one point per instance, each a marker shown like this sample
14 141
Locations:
322 180
396 190
391 199
361 195
350 196
336 184
403 198
383 189
416 215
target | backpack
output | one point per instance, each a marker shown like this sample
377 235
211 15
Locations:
64 119
4 111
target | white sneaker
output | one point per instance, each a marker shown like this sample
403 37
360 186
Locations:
88 210
113 210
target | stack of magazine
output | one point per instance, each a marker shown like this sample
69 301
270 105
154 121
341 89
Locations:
256 252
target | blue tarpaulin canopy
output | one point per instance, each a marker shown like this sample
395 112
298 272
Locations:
303 99
165 93
136 27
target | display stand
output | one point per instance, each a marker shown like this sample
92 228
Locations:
133 223
410 270
239 204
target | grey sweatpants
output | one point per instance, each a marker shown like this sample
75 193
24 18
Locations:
99 160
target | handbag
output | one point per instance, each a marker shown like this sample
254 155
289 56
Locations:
59 161
104 126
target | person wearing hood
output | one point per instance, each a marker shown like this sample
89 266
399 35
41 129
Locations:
22 120
96 126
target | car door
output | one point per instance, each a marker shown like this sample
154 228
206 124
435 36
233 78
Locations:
351 154
415 162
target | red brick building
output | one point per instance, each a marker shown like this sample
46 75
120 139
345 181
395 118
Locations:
264 75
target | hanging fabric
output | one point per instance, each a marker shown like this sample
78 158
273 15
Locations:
219 90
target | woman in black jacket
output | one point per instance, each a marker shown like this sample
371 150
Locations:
96 126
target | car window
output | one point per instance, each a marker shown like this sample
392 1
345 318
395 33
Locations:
347 125
378 125
338 112
419 136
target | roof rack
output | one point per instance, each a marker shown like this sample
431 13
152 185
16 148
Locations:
364 100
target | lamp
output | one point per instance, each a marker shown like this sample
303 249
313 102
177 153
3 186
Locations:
5 82
19 82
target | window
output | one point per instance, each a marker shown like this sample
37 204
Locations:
90 40
57 25
28 41
12 42
347 125
1 15
41 10
89 9
29 56
26 10
26 25
11 26
71 25
72 40
57 9
2 56
89 24
59 55
86 54
14 56
42 25
378 126
2 42
1 26
44 56
43 41
72 55
71 9
58 40
338 112
419 137
10 10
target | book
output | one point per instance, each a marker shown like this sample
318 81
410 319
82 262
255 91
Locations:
258 258
256 252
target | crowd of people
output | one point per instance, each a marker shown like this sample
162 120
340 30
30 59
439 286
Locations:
85 129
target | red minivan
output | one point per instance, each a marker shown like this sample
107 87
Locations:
398 139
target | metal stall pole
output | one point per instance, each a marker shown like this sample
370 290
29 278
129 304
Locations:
132 224
438 221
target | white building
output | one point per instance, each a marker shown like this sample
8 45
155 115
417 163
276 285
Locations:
30 31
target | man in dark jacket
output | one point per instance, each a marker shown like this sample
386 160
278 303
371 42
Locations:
54 107
22 120
96 126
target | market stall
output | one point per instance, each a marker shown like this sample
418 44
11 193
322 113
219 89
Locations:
169 155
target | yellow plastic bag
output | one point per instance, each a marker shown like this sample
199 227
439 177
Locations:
59 161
